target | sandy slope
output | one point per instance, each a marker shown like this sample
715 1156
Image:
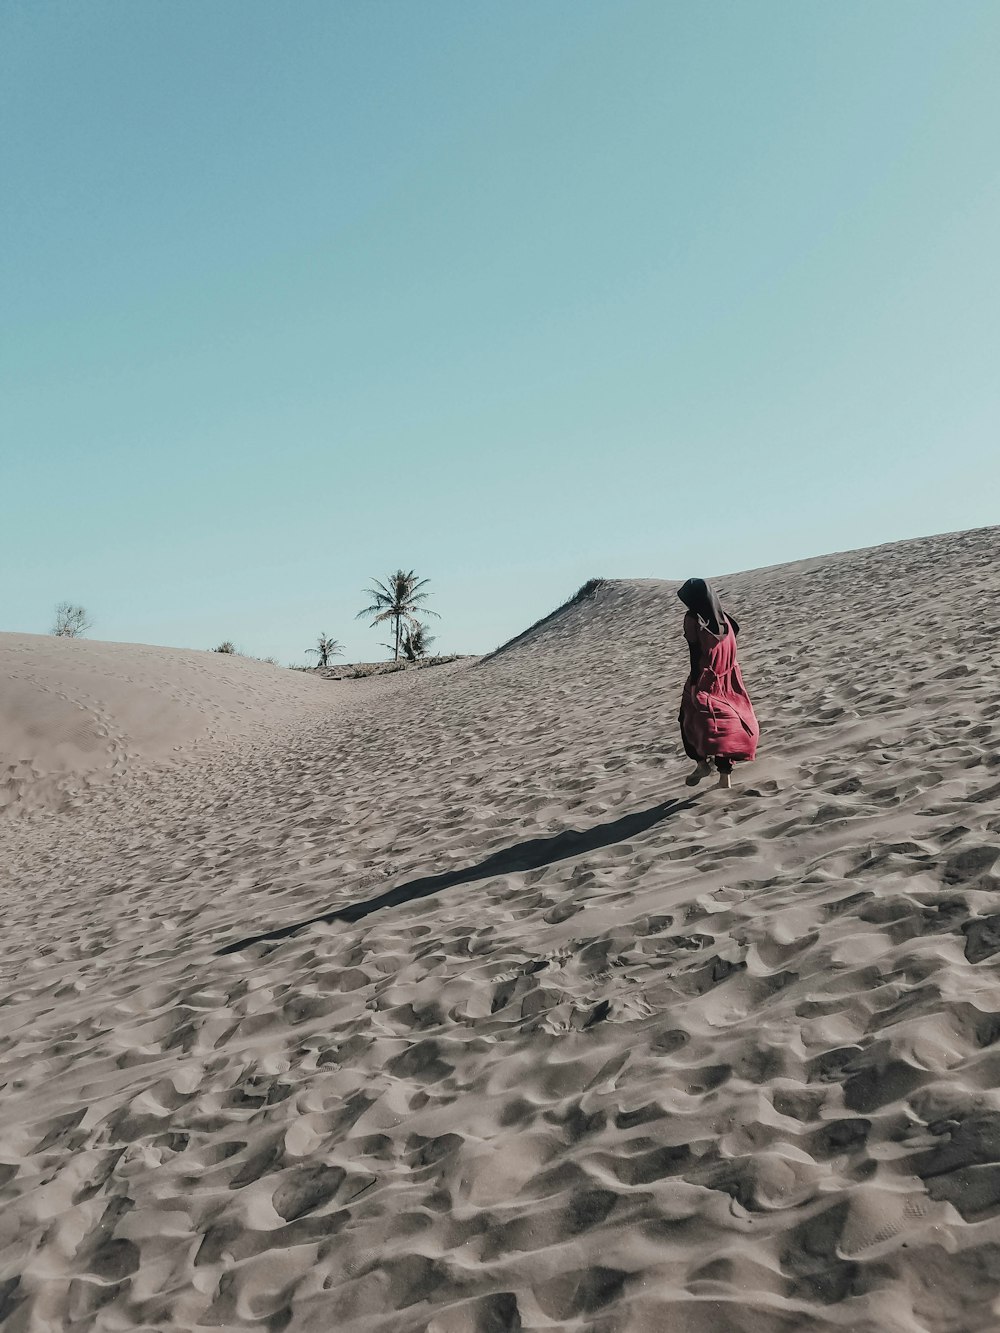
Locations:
569 1047
74 713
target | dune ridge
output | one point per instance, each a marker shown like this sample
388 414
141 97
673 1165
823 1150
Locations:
538 1038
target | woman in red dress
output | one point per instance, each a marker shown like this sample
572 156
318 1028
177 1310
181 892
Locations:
717 718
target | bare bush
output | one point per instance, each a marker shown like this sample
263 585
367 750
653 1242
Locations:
71 622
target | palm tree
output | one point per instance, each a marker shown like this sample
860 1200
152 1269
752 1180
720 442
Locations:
397 599
325 649
416 641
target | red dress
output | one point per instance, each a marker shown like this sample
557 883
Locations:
717 718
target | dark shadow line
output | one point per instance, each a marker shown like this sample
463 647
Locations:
530 855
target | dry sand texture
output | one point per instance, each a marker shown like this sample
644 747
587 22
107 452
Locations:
609 1055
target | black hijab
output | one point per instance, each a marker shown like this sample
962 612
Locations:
700 598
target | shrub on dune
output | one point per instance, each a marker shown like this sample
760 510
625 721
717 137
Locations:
71 622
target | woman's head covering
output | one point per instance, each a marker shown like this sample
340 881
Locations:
700 598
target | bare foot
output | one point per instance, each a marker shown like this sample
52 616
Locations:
702 771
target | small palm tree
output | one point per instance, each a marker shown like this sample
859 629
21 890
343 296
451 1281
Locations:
416 641
397 599
325 649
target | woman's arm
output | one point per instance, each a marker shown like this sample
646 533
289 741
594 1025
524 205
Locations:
694 646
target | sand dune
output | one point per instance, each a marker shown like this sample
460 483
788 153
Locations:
74 712
436 1003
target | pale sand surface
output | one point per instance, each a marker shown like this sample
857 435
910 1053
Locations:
612 1055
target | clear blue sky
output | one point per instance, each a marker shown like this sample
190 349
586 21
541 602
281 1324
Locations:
513 293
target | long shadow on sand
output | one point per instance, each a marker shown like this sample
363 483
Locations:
528 855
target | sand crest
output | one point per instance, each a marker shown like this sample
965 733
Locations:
436 1002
